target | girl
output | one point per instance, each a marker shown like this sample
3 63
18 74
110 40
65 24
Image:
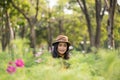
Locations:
61 47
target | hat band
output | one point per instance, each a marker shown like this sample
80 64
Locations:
62 39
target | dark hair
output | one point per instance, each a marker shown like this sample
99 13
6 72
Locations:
55 53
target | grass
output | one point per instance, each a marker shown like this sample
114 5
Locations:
105 65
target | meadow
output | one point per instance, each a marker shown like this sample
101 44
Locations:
103 65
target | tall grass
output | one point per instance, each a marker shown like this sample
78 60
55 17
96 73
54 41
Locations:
104 65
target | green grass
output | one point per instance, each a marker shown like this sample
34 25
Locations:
104 65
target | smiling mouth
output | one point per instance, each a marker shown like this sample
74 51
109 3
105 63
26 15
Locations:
62 50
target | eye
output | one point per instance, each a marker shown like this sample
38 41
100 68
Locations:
65 45
60 44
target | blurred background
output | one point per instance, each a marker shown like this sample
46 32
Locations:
28 28
88 24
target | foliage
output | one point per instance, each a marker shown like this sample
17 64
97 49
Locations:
103 65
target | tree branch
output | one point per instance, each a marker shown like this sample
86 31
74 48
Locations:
37 9
21 11
107 4
81 5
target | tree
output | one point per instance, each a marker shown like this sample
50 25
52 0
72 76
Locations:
7 32
95 41
110 24
31 21
83 7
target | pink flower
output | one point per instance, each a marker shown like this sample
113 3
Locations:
19 63
11 69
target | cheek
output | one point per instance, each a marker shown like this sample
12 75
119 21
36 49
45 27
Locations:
66 48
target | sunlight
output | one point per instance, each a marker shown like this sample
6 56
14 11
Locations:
52 3
118 1
67 11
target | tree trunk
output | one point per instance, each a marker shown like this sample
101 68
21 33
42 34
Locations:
4 33
33 39
49 28
60 26
98 23
110 24
5 39
22 31
83 7
8 33
49 37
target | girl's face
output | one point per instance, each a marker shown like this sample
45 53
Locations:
62 48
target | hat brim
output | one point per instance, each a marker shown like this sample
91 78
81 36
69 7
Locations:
61 42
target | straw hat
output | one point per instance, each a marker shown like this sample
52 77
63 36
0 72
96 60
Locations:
61 38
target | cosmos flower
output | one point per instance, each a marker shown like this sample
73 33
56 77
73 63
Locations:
11 69
19 63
